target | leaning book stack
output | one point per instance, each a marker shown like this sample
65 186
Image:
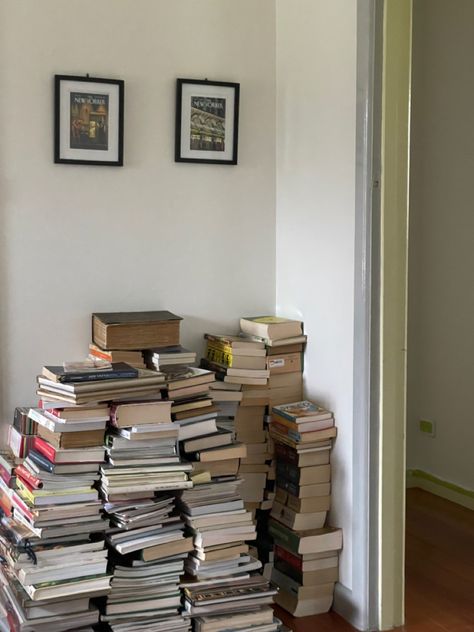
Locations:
306 552
223 587
53 541
146 539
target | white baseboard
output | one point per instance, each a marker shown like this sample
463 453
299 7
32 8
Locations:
344 606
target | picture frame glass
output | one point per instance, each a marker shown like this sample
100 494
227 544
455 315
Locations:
207 122
88 126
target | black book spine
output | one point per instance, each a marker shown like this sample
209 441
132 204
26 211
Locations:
71 378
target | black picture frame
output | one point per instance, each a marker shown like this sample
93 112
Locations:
88 120
207 121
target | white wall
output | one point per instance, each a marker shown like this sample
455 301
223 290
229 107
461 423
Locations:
195 239
316 119
441 300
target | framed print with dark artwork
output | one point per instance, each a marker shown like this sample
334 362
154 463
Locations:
88 121
207 121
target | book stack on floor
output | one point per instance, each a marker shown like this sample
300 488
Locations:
284 343
223 588
147 540
53 543
241 363
303 434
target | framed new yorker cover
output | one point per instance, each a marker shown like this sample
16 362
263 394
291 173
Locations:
207 121
88 120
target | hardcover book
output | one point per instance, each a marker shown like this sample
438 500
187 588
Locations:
135 330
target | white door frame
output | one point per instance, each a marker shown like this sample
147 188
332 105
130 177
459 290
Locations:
376 601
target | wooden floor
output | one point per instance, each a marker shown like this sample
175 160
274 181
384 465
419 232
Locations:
439 571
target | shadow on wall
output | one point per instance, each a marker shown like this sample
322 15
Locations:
193 329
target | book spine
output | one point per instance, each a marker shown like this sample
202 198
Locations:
285 567
209 366
6 476
98 353
25 492
29 478
296 436
5 504
289 486
277 411
288 471
284 535
44 448
218 356
286 454
72 378
41 461
18 502
282 554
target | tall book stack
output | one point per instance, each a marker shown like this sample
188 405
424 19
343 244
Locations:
53 542
223 588
283 342
146 538
238 364
306 553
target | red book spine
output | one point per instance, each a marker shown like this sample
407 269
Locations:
29 478
44 448
103 355
288 557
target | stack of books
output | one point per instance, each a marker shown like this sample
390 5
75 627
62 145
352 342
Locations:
222 577
149 547
305 568
21 433
203 443
53 541
122 381
169 356
303 434
133 358
8 464
147 538
132 336
284 341
241 363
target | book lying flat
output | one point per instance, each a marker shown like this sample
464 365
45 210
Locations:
118 370
135 330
